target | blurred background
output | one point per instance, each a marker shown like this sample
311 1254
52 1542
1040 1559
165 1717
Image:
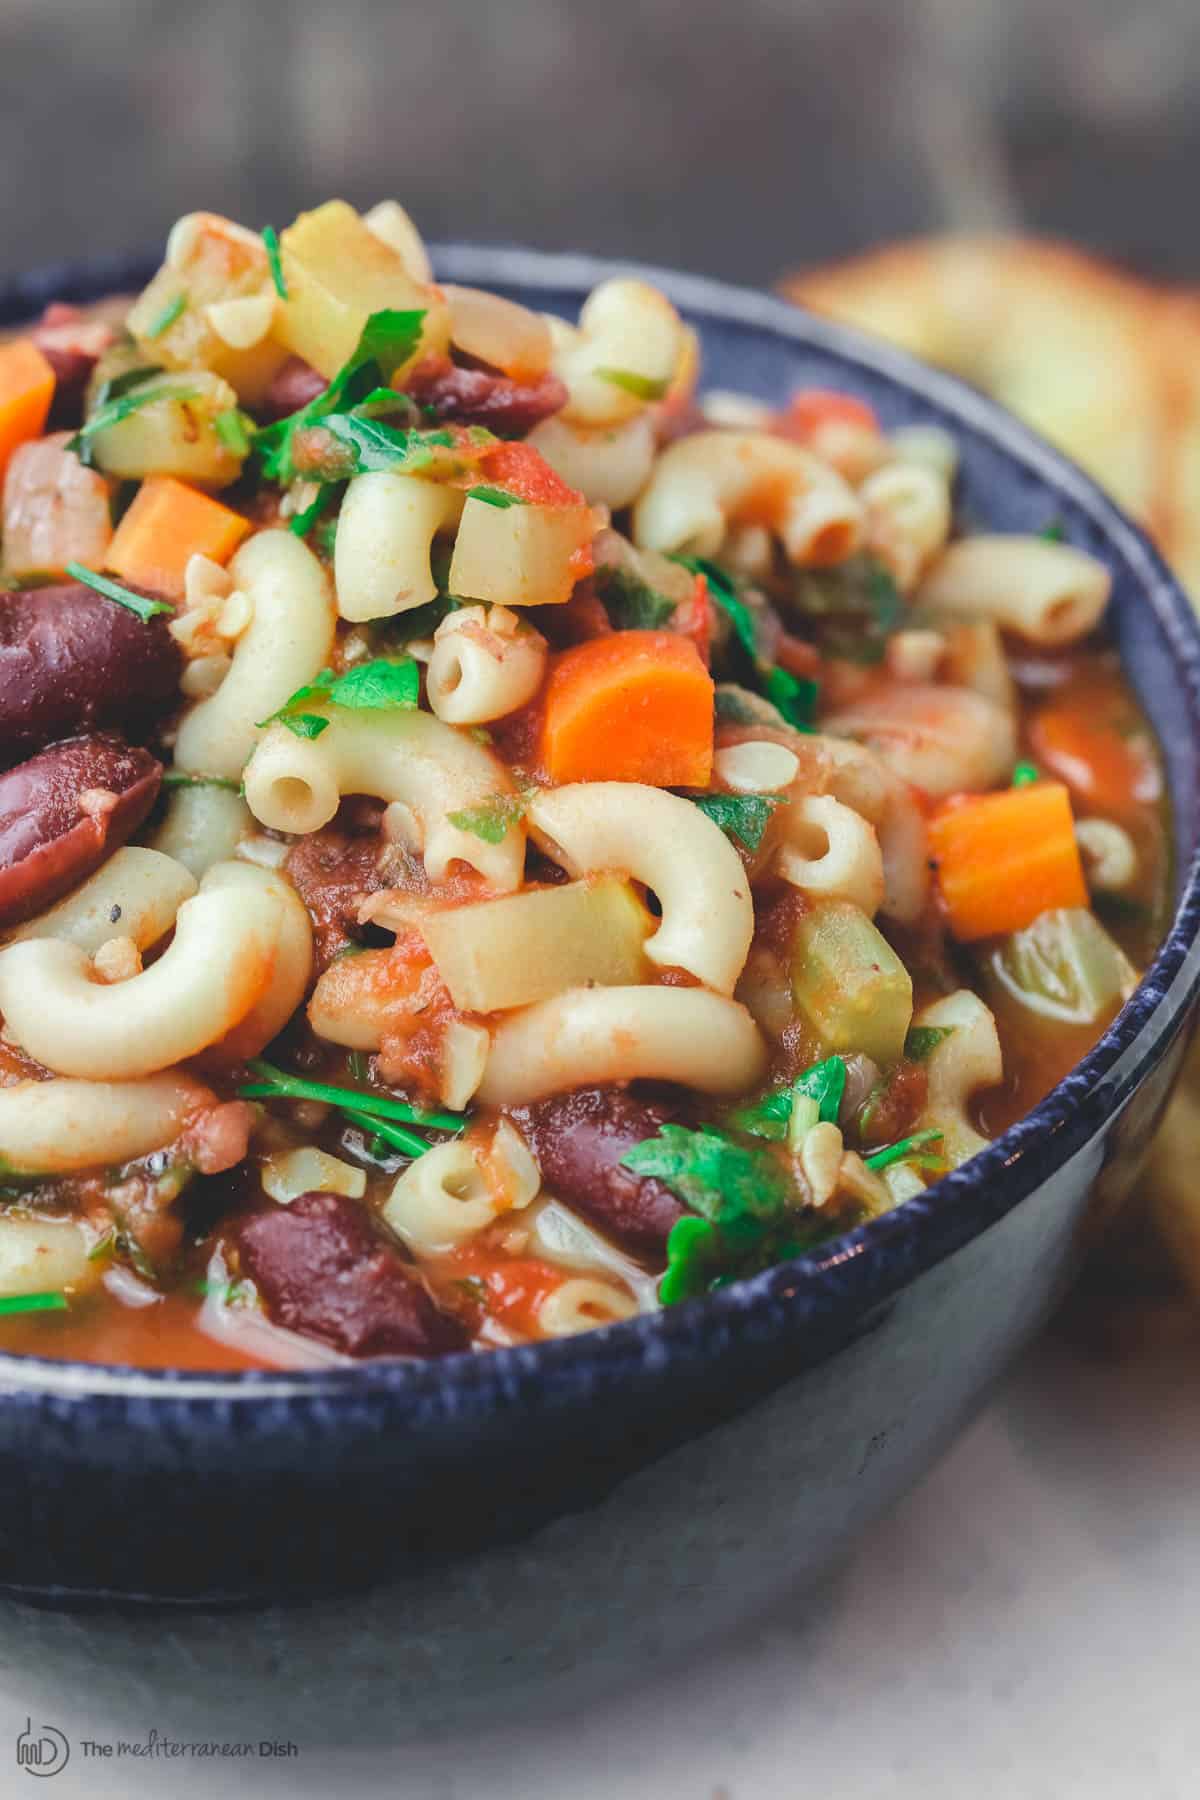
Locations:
741 138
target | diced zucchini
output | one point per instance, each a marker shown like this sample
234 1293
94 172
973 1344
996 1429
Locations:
526 947
1064 966
210 261
337 273
849 984
173 433
519 555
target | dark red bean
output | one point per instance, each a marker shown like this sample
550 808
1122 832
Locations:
63 812
72 344
71 660
324 1268
292 386
579 1140
479 397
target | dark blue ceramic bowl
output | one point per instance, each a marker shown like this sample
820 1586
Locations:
780 1414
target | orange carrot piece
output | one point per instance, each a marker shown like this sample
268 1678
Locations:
1111 770
809 409
1003 859
26 390
168 522
633 706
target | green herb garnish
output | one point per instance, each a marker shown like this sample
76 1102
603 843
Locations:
132 397
1025 773
177 778
167 317
723 588
270 238
112 590
383 684
899 1152
373 1113
29 1303
923 1040
233 429
795 698
1054 532
492 818
388 340
853 608
632 604
494 496
642 387
822 1082
743 817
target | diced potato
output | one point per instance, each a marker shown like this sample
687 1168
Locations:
120 359
173 434
526 947
43 1256
55 510
337 273
210 260
524 555
849 983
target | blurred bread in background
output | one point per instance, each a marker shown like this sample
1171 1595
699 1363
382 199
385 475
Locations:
1107 367
1103 364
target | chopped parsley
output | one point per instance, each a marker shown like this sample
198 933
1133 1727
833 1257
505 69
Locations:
371 1112
30 1303
270 238
901 1151
177 778
492 818
112 590
923 1040
388 340
794 697
302 522
743 817
823 1083
1025 774
383 684
232 429
167 317
852 609
631 603
723 588
745 1203
642 387
494 496
132 396
1053 532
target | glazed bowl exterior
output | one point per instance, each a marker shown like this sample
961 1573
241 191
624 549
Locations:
703 1455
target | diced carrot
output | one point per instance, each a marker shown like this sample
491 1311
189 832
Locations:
1113 770
524 472
1003 859
168 522
26 390
811 408
635 706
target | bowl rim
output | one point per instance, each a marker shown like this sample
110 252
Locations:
852 1274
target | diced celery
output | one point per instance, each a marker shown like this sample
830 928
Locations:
849 984
1064 966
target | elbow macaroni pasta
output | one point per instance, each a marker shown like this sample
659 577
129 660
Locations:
1050 593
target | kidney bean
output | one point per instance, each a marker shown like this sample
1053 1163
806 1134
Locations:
63 812
579 1140
479 397
72 344
324 1268
292 386
71 660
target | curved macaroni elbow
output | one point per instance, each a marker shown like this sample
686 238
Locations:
384 542
203 825
217 967
968 1059
623 354
287 642
675 850
293 956
452 1192
424 768
589 1036
135 894
40 1256
1050 594
608 464
706 483
941 739
486 663
831 851
58 1127
908 518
